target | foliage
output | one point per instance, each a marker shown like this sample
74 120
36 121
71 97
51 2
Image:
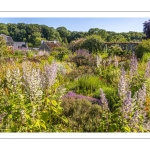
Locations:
3 48
93 43
83 58
83 116
115 50
146 28
142 48
60 53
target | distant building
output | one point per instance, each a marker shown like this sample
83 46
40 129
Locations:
49 45
20 45
15 45
9 41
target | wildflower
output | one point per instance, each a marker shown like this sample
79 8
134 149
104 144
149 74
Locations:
133 65
147 71
50 73
122 86
104 100
98 60
115 61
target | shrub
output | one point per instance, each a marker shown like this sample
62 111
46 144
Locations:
83 58
142 48
60 53
83 116
115 50
93 43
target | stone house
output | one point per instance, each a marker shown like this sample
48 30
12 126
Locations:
49 45
14 45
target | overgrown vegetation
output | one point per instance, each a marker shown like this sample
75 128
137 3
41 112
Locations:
80 88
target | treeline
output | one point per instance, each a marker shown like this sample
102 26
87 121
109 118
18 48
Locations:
34 33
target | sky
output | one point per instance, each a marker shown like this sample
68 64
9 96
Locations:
84 24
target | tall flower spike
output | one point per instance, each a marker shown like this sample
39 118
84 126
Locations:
103 100
99 60
115 61
147 71
50 74
127 105
133 65
122 86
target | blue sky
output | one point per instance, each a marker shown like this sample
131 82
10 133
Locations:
84 24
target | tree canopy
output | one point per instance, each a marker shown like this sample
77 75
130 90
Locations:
33 33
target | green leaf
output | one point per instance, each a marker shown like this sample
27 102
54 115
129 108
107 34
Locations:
126 129
54 103
44 116
42 124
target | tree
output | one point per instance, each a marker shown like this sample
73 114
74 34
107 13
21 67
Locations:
64 33
98 31
93 43
142 48
146 28
3 29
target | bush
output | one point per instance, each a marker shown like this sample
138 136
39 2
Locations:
146 57
83 116
60 53
142 48
83 58
115 50
93 43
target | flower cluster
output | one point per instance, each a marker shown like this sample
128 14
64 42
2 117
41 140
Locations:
115 61
147 71
109 61
98 60
50 74
82 53
42 53
103 100
127 106
133 65
122 86
72 95
32 82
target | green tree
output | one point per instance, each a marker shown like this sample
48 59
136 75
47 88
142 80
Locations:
3 29
93 43
142 48
64 33
97 31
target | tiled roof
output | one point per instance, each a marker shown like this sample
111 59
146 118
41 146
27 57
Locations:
8 39
52 44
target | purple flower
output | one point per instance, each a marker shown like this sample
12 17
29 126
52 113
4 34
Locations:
122 86
127 105
133 65
104 100
72 95
147 71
